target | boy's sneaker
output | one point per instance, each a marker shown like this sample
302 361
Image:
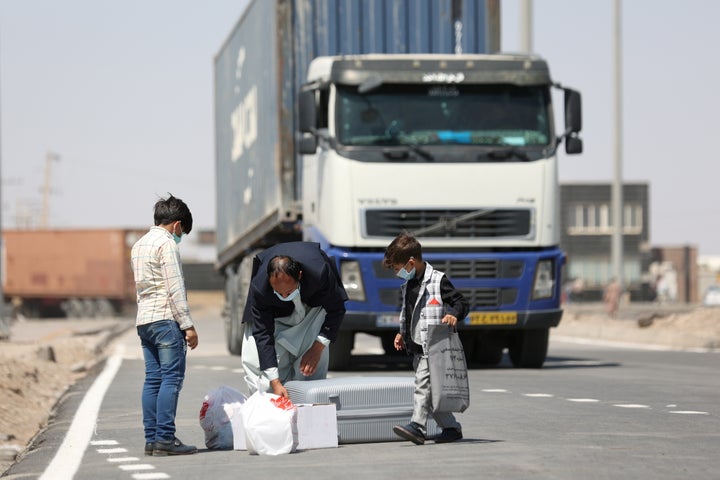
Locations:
449 435
411 432
149 447
173 447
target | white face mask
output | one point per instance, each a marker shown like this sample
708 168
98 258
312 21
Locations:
290 297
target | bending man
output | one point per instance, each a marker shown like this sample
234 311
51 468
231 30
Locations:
294 308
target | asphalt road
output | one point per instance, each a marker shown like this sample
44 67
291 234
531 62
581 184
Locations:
593 412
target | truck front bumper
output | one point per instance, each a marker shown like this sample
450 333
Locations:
525 320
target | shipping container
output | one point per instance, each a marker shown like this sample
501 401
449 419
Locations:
76 272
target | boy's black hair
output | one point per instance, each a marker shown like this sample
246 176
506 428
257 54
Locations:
401 249
172 209
284 264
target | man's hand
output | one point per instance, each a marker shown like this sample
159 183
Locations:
309 361
191 337
278 388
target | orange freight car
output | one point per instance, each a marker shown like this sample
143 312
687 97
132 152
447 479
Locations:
71 272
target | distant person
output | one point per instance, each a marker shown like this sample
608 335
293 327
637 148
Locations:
294 308
611 297
428 297
163 324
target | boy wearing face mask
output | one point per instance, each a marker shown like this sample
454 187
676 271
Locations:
428 297
163 323
294 308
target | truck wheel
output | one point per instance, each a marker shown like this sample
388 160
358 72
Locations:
233 325
340 351
469 342
488 349
238 285
528 348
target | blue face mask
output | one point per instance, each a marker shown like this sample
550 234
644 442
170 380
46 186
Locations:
405 275
290 297
177 238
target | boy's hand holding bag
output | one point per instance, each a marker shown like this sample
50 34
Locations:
448 370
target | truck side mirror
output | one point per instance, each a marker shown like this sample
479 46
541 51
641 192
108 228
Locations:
307 144
573 144
307 111
573 111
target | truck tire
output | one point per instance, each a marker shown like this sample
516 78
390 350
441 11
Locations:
489 348
239 285
528 348
233 325
340 351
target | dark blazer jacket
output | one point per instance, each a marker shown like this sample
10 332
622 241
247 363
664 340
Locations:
320 285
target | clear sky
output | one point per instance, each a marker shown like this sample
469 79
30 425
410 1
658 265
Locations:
122 92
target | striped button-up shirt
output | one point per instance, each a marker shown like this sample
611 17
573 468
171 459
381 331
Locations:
159 279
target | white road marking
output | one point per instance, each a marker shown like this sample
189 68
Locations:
538 395
137 466
630 405
494 390
122 459
583 400
98 443
68 457
689 412
112 450
150 476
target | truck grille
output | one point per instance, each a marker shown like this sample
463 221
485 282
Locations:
477 298
449 223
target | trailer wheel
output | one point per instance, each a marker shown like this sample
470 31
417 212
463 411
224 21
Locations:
233 325
340 351
528 348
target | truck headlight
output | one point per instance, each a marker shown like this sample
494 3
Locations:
352 280
544 280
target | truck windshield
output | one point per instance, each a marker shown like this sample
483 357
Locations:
418 115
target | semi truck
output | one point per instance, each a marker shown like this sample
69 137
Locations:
345 123
72 272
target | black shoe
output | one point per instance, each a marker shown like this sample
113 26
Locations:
149 447
411 432
449 435
173 447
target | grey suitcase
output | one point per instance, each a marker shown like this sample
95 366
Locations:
367 407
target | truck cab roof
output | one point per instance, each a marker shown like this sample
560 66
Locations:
516 69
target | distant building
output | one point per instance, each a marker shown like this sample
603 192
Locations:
587 226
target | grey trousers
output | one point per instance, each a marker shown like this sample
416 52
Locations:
293 337
422 398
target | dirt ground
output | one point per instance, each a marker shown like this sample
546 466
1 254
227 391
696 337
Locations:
31 383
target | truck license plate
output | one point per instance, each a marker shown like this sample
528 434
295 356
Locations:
493 318
388 320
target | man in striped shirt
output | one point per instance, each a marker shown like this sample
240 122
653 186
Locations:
163 324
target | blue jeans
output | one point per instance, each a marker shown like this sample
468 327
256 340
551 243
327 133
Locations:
164 349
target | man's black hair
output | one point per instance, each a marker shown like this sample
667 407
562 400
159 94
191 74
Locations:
172 209
284 264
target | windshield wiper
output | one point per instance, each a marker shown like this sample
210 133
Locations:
506 154
403 151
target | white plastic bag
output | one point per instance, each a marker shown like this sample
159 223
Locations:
217 410
268 428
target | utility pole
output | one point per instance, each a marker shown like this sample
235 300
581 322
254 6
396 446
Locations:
617 190
47 189
526 30
4 321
